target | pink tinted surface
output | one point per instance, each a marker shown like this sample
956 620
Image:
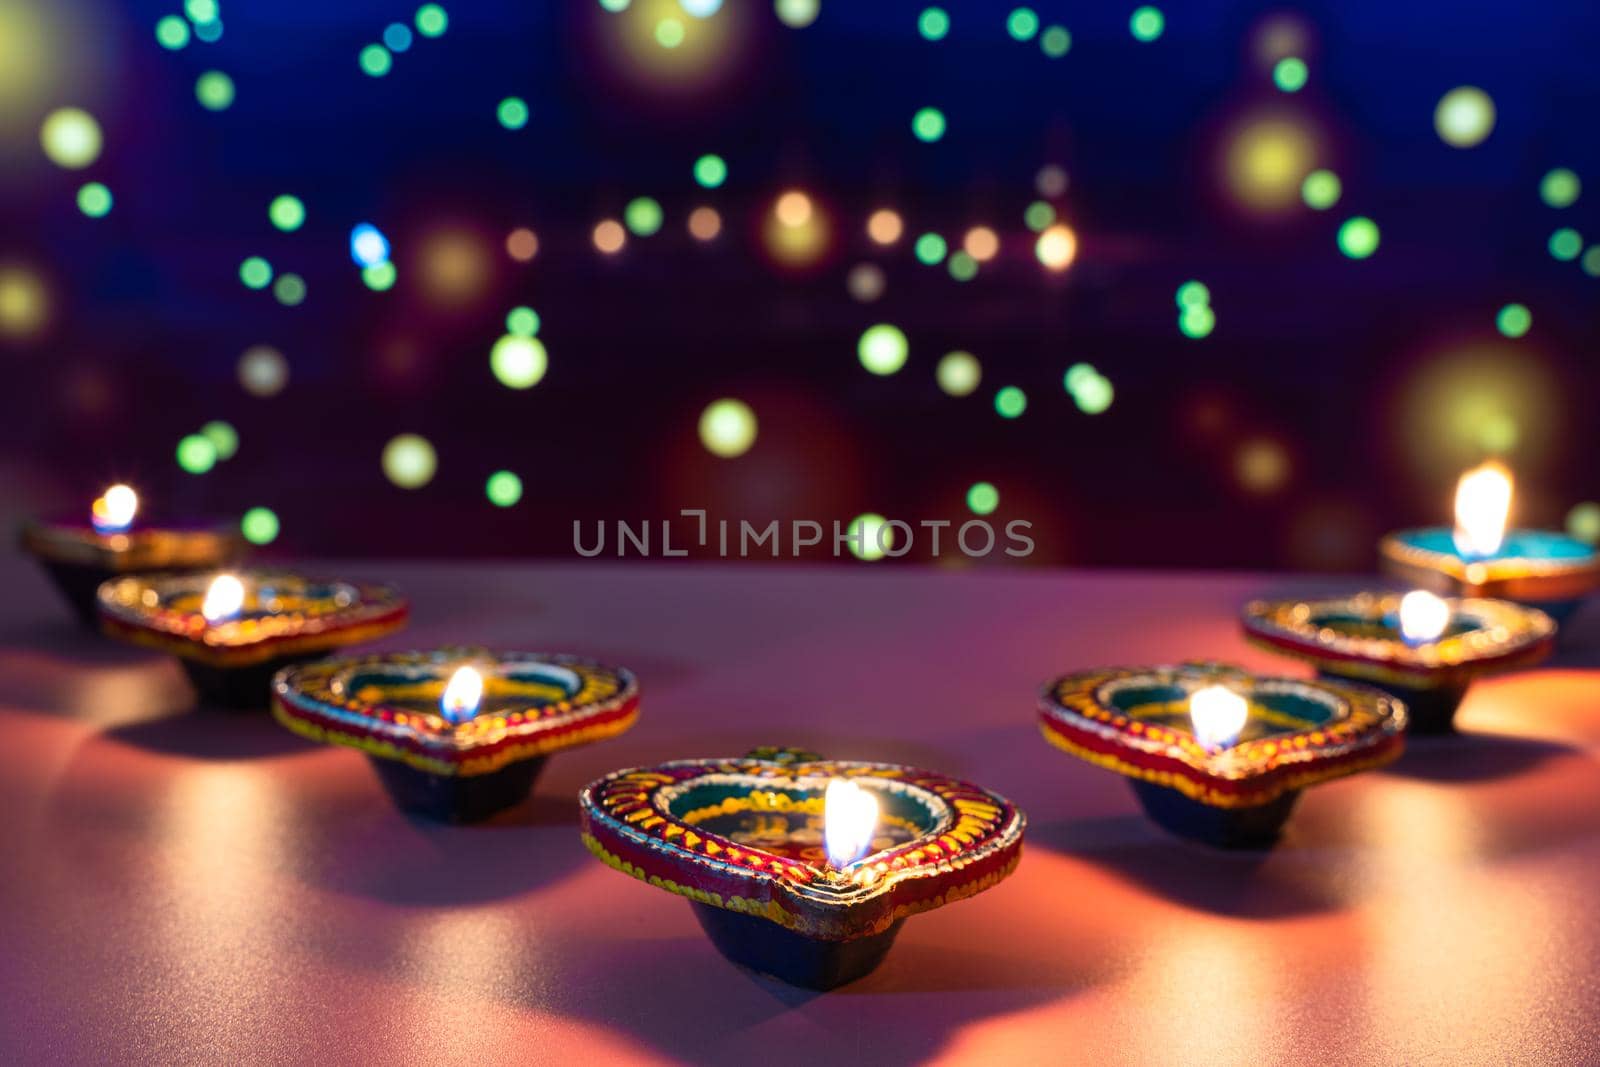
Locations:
185 887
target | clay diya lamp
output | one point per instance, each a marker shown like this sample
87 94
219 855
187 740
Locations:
1215 754
1481 558
80 553
232 632
457 734
800 868
1421 648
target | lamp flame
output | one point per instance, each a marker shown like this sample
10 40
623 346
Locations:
1423 617
1218 715
462 695
113 511
849 822
224 598
1483 504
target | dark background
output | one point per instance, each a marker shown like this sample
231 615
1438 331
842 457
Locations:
1335 398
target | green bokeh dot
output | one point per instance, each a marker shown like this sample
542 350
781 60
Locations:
1513 320
930 249
1147 23
214 90
172 32
1565 244
1055 41
380 276
1358 237
196 454
223 437
883 348
1193 294
512 113
503 489
287 213
710 171
1591 261
1010 401
431 20
1560 188
1321 189
643 216
290 289
255 272
523 322
933 23
1039 215
1290 74
1022 24
963 266
928 125
259 526
375 60
1197 321
983 498
94 200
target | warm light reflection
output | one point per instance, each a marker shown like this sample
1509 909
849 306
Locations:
462 695
224 598
114 511
793 208
849 821
1483 504
1218 715
1423 616
1057 247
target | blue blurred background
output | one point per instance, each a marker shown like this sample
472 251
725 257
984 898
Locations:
1092 160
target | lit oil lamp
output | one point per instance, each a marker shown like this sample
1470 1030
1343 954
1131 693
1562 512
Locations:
457 734
801 868
1419 647
232 632
1215 754
1481 557
79 555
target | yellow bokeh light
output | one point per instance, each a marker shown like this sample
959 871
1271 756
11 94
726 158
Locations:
704 223
728 428
1266 159
651 42
884 226
454 266
1464 116
1057 247
1262 466
609 236
71 137
797 231
981 243
24 302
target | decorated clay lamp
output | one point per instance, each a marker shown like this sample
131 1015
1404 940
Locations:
79 554
232 632
1424 649
800 868
459 734
1215 754
1480 557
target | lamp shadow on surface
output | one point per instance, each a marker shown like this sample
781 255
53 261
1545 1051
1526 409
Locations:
209 734
1473 757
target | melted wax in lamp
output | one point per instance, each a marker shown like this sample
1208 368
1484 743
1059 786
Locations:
113 511
462 695
1218 715
224 598
849 821
1423 617
1483 506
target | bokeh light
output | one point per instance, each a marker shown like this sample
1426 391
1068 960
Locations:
1358 237
431 20
1092 393
1193 294
71 138
871 536
214 90
1583 522
259 526
519 362
933 24
700 9
884 226
1290 74
958 373
797 14
397 37
223 437
1560 188
1321 190
981 243
930 249
796 232
522 244
728 427
1038 215
455 264
503 489
1051 181
865 282
94 200
368 245
1565 244
793 208
883 348
1010 401
1261 466
196 454
1055 41
1464 116
1146 23
963 268
200 11
209 32
522 322
380 277
704 223
289 289
643 216
710 171
24 302
1591 261
375 60
1513 320
287 213
1265 160
172 32
1197 321
983 498
512 113
609 236
1022 23
928 124
670 32
409 461
263 370
1056 247
255 272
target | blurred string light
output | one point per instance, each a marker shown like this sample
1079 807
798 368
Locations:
615 6
670 32
503 489
1050 181
1197 322
518 361
930 249
710 171
196 454
1055 41
928 124
884 226
871 536
728 427
431 20
255 273
865 282
397 37
797 14
1010 401
223 437
172 32
643 216
796 231
512 113
1560 188
1146 23
200 11
933 24
375 60
1193 294
214 90
263 370
290 289
1038 215
1464 116
1022 24
24 302
1089 389
1056 247
983 498
1358 237
409 461
1265 160
1321 190
700 9
70 137
704 223
793 208
522 322
958 373
1261 466
609 236
883 348
522 244
287 213
209 32
1514 320
962 266
1491 395
1290 74
380 277
94 200
981 243
1591 261
1583 522
368 245
259 526
1565 244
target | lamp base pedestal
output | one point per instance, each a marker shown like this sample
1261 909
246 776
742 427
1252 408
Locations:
1431 711
767 948
454 798
1252 827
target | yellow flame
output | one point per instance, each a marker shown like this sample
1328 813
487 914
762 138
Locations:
1483 506
1423 616
113 511
224 598
462 694
849 822
1218 715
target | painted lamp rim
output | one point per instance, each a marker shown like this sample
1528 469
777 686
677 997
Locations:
142 548
1509 578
